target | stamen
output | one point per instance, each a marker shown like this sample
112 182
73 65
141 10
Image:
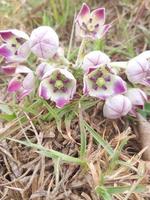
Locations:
90 20
104 87
64 89
52 81
107 79
97 25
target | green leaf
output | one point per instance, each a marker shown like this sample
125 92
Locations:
99 139
82 134
50 152
7 117
102 191
106 192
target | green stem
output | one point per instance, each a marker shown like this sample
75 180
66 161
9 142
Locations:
80 52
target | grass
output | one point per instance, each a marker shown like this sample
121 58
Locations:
78 153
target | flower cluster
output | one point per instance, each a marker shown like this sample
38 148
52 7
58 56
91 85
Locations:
56 80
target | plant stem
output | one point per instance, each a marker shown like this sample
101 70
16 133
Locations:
80 52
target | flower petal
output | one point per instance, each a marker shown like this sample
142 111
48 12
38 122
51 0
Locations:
29 81
10 33
103 31
119 86
24 50
42 69
14 85
98 16
44 90
61 102
9 69
84 14
5 51
137 97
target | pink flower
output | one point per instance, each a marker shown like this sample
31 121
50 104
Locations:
93 60
138 70
22 83
91 24
15 45
116 107
137 98
103 83
59 85
44 42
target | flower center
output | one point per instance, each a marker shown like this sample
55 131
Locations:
100 82
100 78
59 84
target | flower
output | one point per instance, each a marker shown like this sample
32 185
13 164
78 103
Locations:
22 83
137 98
15 45
42 69
91 24
103 83
44 42
93 60
116 107
59 85
138 70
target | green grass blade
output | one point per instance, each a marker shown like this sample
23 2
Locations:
99 139
82 134
50 152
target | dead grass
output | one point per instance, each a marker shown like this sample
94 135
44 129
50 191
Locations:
27 174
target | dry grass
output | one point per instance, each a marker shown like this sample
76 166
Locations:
25 172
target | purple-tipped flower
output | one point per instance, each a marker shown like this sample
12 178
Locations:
15 45
91 24
137 98
103 83
44 42
59 85
93 60
116 107
138 70
22 83
42 69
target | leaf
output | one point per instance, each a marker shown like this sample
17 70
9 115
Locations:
144 134
99 139
108 191
50 152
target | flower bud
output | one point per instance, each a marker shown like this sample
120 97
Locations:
116 107
138 70
93 60
44 42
